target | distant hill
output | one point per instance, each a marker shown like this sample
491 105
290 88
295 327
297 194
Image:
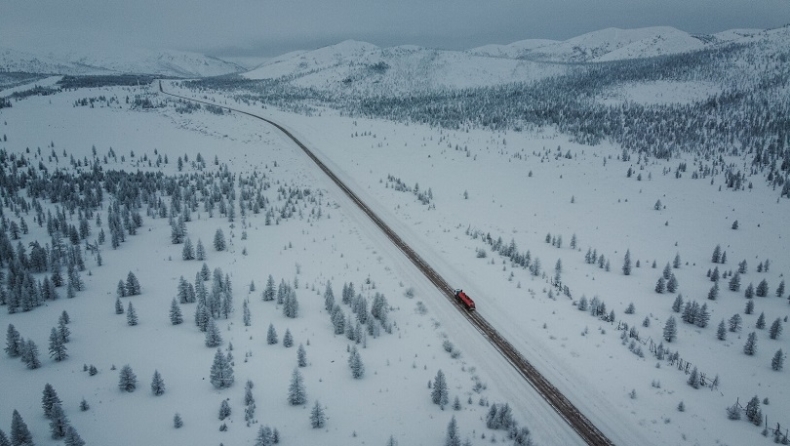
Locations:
160 62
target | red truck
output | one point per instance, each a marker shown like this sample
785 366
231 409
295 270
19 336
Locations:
465 300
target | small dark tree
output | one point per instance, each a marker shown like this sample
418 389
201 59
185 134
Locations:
693 380
660 285
118 306
57 349
296 391
713 294
20 434
749 293
13 342
439 393
176 317
301 356
49 399
762 289
453 437
735 323
672 283
627 263
128 380
670 329
157 384
221 375
131 315
288 340
721 332
317 416
716 257
30 355
271 335
677 305
224 410
132 285
780 290
219 241
213 338
749 307
355 363
177 421
760 324
778 361
58 422
750 348
776 329
735 282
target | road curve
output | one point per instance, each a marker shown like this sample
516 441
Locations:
577 421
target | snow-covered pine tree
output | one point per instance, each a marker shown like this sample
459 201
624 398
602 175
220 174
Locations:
13 342
735 323
776 329
177 421
213 338
660 285
265 436
749 293
57 349
58 422
672 283
30 355
760 324
338 320
750 348
270 291
453 437
290 304
439 393
271 335
296 391
355 363
713 294
72 438
84 406
693 380
132 285
176 317
188 253
219 241
735 282
716 257
20 434
670 329
224 410
762 289
127 381
749 307
221 375
288 340
118 306
246 315
627 263
721 332
157 384
49 399
200 251
131 316
317 416
677 305
777 362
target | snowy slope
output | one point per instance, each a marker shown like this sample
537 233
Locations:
107 61
513 50
363 68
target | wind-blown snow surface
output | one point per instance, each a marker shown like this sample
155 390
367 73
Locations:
521 187
340 246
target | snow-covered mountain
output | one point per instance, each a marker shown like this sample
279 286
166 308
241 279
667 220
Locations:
161 62
365 68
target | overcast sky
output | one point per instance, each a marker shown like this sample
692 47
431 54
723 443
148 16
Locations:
271 27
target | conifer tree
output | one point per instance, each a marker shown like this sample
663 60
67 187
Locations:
131 316
721 332
735 282
288 340
439 394
132 285
219 241
660 285
269 291
58 422
750 348
246 315
188 253
317 416
762 289
57 349
716 257
776 329
13 342
20 435
329 297
672 283
296 390
49 399
265 436
452 438
84 406
118 306
749 307
177 421
301 356
677 305
221 375
355 363
693 380
176 317
4 441
72 438
778 361
760 324
271 335
627 263
157 384
670 329
200 251
30 355
713 294
224 410
749 293
735 323
127 381
213 338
